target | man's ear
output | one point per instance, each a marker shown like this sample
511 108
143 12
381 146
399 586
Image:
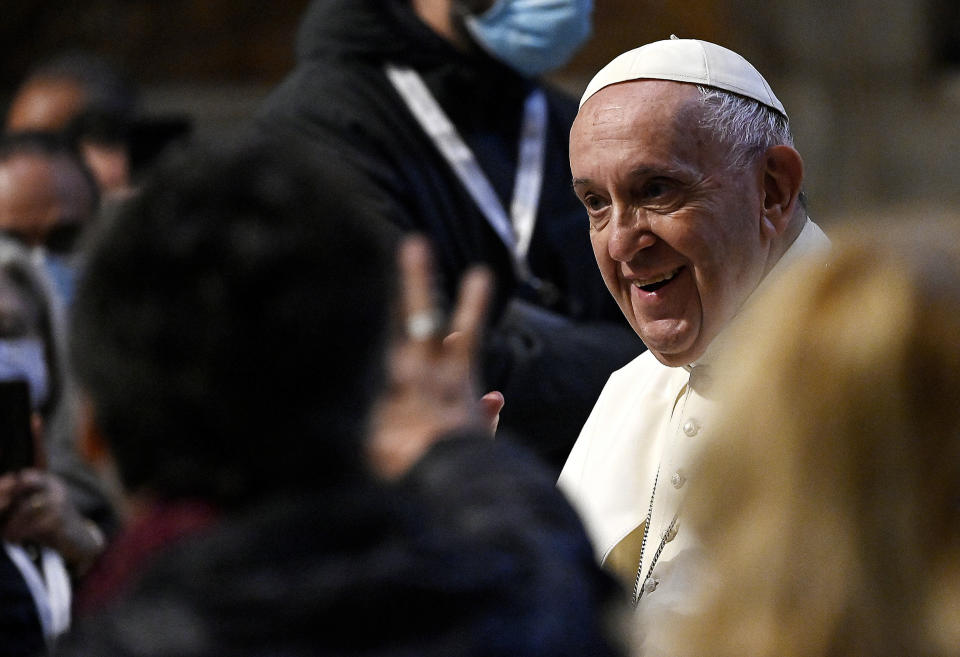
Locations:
782 180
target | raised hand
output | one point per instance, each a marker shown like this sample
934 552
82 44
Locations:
432 391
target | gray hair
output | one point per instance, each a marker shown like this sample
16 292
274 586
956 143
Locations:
746 127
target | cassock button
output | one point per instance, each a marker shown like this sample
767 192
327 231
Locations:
651 584
678 479
691 427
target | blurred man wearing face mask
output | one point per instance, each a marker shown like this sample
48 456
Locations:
47 198
435 105
46 542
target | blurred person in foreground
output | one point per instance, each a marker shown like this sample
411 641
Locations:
828 503
299 480
683 158
439 105
47 542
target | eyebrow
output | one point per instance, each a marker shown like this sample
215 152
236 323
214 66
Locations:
644 171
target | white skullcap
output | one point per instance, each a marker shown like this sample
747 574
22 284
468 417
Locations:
687 60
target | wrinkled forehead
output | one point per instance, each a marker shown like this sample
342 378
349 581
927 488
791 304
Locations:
658 101
657 114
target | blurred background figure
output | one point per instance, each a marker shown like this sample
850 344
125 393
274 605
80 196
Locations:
48 197
56 91
83 97
232 375
439 107
829 505
47 542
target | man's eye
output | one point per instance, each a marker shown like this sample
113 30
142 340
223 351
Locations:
593 203
661 195
655 188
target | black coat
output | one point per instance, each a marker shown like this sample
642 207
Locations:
474 553
550 357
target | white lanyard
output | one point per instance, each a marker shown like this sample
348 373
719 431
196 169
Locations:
516 230
50 590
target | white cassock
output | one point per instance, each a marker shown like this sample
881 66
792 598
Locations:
633 455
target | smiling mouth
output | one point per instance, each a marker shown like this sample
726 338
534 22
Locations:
657 282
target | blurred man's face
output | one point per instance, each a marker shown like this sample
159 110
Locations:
44 200
676 232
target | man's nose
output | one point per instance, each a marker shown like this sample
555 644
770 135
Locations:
629 234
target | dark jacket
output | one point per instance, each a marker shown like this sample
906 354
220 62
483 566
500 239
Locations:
474 553
550 357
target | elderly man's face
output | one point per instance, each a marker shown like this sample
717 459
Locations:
678 235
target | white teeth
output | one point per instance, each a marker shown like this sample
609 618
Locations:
657 279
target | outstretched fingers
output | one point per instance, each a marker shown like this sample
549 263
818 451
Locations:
470 312
422 320
431 391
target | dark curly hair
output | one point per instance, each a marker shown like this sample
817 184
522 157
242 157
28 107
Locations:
230 325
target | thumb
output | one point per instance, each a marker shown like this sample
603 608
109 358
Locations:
490 406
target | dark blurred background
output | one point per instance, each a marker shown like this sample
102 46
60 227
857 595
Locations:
872 86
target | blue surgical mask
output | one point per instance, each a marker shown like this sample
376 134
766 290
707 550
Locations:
60 270
532 36
24 359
